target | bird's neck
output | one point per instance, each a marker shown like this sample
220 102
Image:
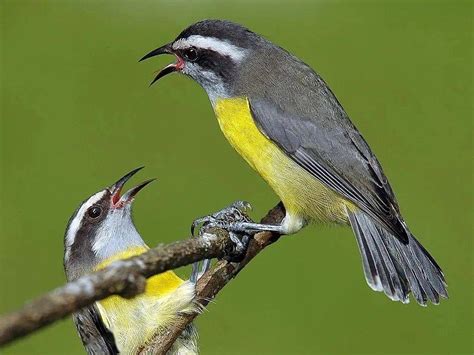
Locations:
116 236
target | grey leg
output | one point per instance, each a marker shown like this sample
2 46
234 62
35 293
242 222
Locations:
235 219
196 273
252 228
234 213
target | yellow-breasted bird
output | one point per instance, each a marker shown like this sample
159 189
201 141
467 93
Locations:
282 117
100 232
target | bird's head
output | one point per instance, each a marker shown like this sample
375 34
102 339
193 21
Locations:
101 227
212 52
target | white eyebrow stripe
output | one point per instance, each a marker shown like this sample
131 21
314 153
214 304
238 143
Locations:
76 222
222 47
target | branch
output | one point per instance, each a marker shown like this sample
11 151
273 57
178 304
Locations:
213 281
126 278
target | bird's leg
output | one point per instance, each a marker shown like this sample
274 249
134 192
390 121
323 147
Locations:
234 219
197 272
252 228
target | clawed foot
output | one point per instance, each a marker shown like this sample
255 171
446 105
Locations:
227 219
235 220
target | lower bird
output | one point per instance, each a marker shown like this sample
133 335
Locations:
100 232
285 121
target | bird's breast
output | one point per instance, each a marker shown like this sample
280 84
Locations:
134 321
236 122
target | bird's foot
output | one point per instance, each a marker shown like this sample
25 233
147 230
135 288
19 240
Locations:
240 226
235 219
228 219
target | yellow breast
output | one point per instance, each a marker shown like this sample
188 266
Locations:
157 285
134 321
300 192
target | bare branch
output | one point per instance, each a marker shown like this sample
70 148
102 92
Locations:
127 278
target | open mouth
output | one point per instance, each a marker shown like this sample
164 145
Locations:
171 68
118 200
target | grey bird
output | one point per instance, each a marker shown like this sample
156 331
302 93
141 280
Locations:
100 232
285 121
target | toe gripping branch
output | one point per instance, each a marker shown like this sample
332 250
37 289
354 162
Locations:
224 219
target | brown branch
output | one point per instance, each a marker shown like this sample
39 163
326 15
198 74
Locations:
213 281
125 278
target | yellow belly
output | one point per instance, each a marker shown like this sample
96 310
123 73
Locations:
300 192
134 321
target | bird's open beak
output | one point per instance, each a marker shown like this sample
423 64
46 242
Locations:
129 196
166 49
119 201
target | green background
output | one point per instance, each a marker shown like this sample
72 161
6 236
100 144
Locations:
77 113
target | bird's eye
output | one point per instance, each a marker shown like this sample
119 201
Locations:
190 54
94 211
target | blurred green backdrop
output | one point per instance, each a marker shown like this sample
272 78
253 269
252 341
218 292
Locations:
77 113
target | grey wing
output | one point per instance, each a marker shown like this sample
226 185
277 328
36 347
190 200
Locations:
96 338
329 147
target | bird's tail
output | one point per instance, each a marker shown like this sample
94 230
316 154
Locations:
396 268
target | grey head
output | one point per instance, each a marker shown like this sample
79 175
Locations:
216 53
101 227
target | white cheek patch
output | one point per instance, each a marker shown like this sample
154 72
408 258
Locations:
76 222
212 83
222 47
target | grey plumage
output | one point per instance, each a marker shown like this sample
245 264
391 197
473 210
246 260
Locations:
396 268
96 338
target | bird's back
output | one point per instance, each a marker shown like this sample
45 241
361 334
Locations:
295 108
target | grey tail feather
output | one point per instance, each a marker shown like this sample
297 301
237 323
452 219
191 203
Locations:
396 268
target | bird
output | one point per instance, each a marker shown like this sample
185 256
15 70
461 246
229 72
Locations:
100 232
284 120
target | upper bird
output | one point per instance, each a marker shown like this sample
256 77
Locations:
102 231
282 117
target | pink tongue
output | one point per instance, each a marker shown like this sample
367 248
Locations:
116 197
180 63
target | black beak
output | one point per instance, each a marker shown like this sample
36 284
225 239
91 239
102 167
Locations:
165 71
166 49
130 194
116 188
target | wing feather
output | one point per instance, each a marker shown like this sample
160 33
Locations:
336 154
95 336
